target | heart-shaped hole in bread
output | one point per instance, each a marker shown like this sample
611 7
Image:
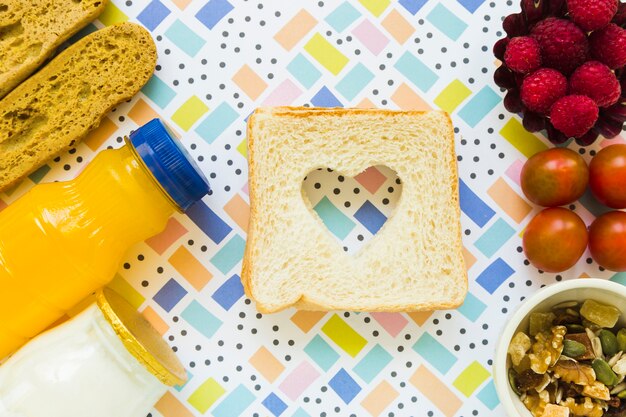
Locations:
353 209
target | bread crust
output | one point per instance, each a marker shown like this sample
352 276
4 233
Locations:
304 302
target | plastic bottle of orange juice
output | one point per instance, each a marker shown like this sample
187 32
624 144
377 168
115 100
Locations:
61 241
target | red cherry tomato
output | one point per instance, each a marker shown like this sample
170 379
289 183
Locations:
607 240
555 239
607 176
554 177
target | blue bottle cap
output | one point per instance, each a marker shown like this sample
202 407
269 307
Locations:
169 163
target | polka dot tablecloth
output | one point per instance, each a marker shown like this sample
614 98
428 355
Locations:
220 59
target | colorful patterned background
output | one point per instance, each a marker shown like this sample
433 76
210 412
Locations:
218 60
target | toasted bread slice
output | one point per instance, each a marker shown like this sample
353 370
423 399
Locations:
60 104
30 31
413 263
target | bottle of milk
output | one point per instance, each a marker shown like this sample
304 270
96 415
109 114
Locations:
108 361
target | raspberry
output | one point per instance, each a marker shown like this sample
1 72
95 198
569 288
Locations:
595 80
608 46
574 115
523 55
592 14
542 88
563 45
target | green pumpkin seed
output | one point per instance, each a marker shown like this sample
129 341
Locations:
577 328
604 373
609 342
573 349
513 381
622 395
621 340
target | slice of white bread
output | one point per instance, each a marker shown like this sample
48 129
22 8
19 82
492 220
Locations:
414 262
31 30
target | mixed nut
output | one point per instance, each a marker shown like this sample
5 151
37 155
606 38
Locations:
571 362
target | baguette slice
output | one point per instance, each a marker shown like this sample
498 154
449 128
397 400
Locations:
414 262
31 30
60 104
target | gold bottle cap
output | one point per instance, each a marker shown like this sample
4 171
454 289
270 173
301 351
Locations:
140 338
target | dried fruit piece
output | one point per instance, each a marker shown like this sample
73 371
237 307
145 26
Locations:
582 339
603 371
568 370
536 402
520 344
540 322
547 349
597 390
609 342
573 349
553 410
588 408
603 315
528 380
523 365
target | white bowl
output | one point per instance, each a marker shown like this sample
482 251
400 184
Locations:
606 292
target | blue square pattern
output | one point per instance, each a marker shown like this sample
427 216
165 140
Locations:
301 413
216 122
479 106
229 292
275 405
324 98
473 207
345 386
489 396
471 5
494 275
447 22
158 91
230 254
169 295
373 363
235 403
416 71
304 71
337 223
355 81
370 217
209 222
413 6
343 16
201 319
154 13
435 353
472 307
214 11
184 38
321 352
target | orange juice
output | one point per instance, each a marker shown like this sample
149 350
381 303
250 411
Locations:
62 241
